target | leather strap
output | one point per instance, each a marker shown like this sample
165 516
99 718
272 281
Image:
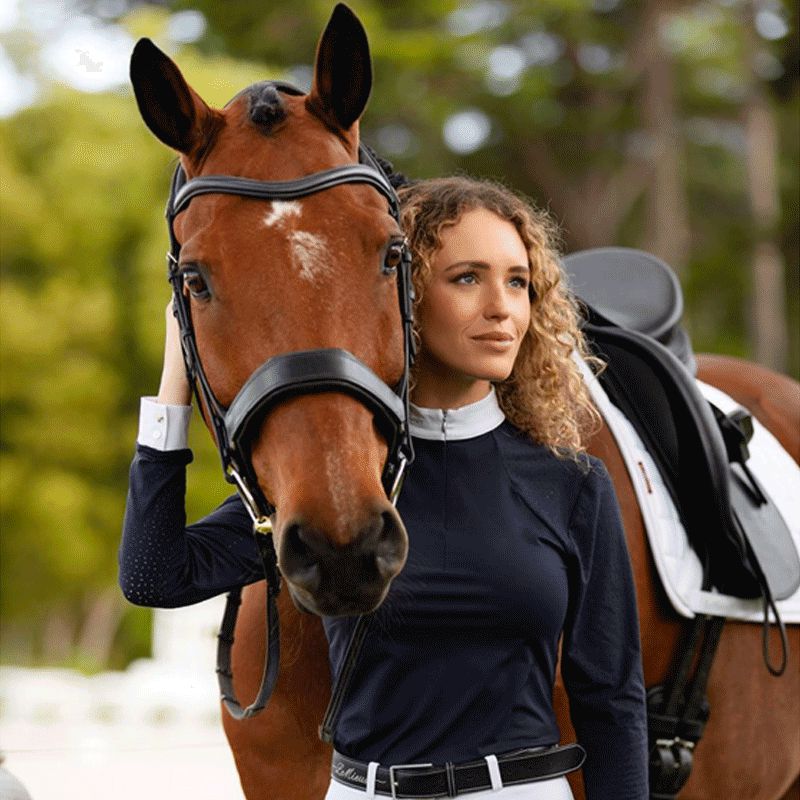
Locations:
339 690
273 639
452 780
311 372
283 190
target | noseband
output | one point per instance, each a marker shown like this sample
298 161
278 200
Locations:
284 376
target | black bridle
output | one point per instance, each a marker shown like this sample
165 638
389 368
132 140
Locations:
284 376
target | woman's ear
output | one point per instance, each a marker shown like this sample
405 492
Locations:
342 71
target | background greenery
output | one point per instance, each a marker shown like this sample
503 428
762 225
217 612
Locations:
669 125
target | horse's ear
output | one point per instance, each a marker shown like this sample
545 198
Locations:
342 71
172 110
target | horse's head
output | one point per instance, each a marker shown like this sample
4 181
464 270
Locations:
264 278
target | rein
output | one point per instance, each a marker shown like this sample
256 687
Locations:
283 376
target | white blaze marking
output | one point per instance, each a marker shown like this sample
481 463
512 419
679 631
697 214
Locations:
310 252
281 209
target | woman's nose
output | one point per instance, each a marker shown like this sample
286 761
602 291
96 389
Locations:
496 305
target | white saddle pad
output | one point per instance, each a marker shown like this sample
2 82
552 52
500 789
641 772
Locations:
677 564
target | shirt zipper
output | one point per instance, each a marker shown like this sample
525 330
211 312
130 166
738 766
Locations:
446 515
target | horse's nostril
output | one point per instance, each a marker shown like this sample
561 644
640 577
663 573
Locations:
300 554
352 576
390 546
303 541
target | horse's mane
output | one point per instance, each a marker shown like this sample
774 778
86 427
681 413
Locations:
397 179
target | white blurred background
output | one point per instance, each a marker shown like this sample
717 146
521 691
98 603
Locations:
152 732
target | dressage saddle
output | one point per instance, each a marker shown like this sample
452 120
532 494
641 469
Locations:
633 305
635 290
633 308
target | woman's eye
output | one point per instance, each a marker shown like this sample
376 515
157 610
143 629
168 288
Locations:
466 277
519 283
195 284
393 259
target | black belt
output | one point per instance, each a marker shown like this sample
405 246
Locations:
450 780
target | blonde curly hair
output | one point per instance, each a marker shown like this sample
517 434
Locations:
545 395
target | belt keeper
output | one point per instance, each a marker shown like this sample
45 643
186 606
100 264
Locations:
450 773
494 773
372 774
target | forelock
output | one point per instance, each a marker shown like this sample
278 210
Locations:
266 106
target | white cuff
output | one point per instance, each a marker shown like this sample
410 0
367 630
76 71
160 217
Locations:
163 427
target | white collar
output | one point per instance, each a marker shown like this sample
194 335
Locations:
472 420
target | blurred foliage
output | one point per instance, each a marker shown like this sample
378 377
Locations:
562 87
83 294
562 83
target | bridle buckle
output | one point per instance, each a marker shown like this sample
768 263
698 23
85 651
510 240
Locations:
249 502
397 485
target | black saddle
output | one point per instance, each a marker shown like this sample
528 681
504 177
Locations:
634 303
634 306
636 291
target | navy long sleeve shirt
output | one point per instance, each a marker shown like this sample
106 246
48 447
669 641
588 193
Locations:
511 549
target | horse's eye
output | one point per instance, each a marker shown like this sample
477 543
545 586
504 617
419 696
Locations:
394 257
196 284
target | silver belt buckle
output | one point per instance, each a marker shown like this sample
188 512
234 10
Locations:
393 783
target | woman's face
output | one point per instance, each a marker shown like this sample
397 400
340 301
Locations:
474 312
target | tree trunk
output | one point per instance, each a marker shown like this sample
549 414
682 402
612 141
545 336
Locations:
58 636
768 288
595 205
667 231
100 624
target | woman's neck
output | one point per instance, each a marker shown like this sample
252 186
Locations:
439 392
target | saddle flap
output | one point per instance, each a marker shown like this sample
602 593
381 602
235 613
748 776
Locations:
766 533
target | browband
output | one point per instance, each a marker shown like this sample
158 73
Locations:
284 190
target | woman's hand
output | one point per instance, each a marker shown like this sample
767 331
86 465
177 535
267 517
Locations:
174 389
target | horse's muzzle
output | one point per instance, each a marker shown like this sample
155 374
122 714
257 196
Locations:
342 580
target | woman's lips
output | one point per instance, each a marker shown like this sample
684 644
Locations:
493 341
494 337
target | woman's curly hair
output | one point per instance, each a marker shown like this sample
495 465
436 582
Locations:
545 396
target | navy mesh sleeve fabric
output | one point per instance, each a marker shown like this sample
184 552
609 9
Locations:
601 659
165 563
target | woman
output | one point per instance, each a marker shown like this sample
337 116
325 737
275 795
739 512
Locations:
515 541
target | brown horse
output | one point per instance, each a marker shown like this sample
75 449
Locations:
306 274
